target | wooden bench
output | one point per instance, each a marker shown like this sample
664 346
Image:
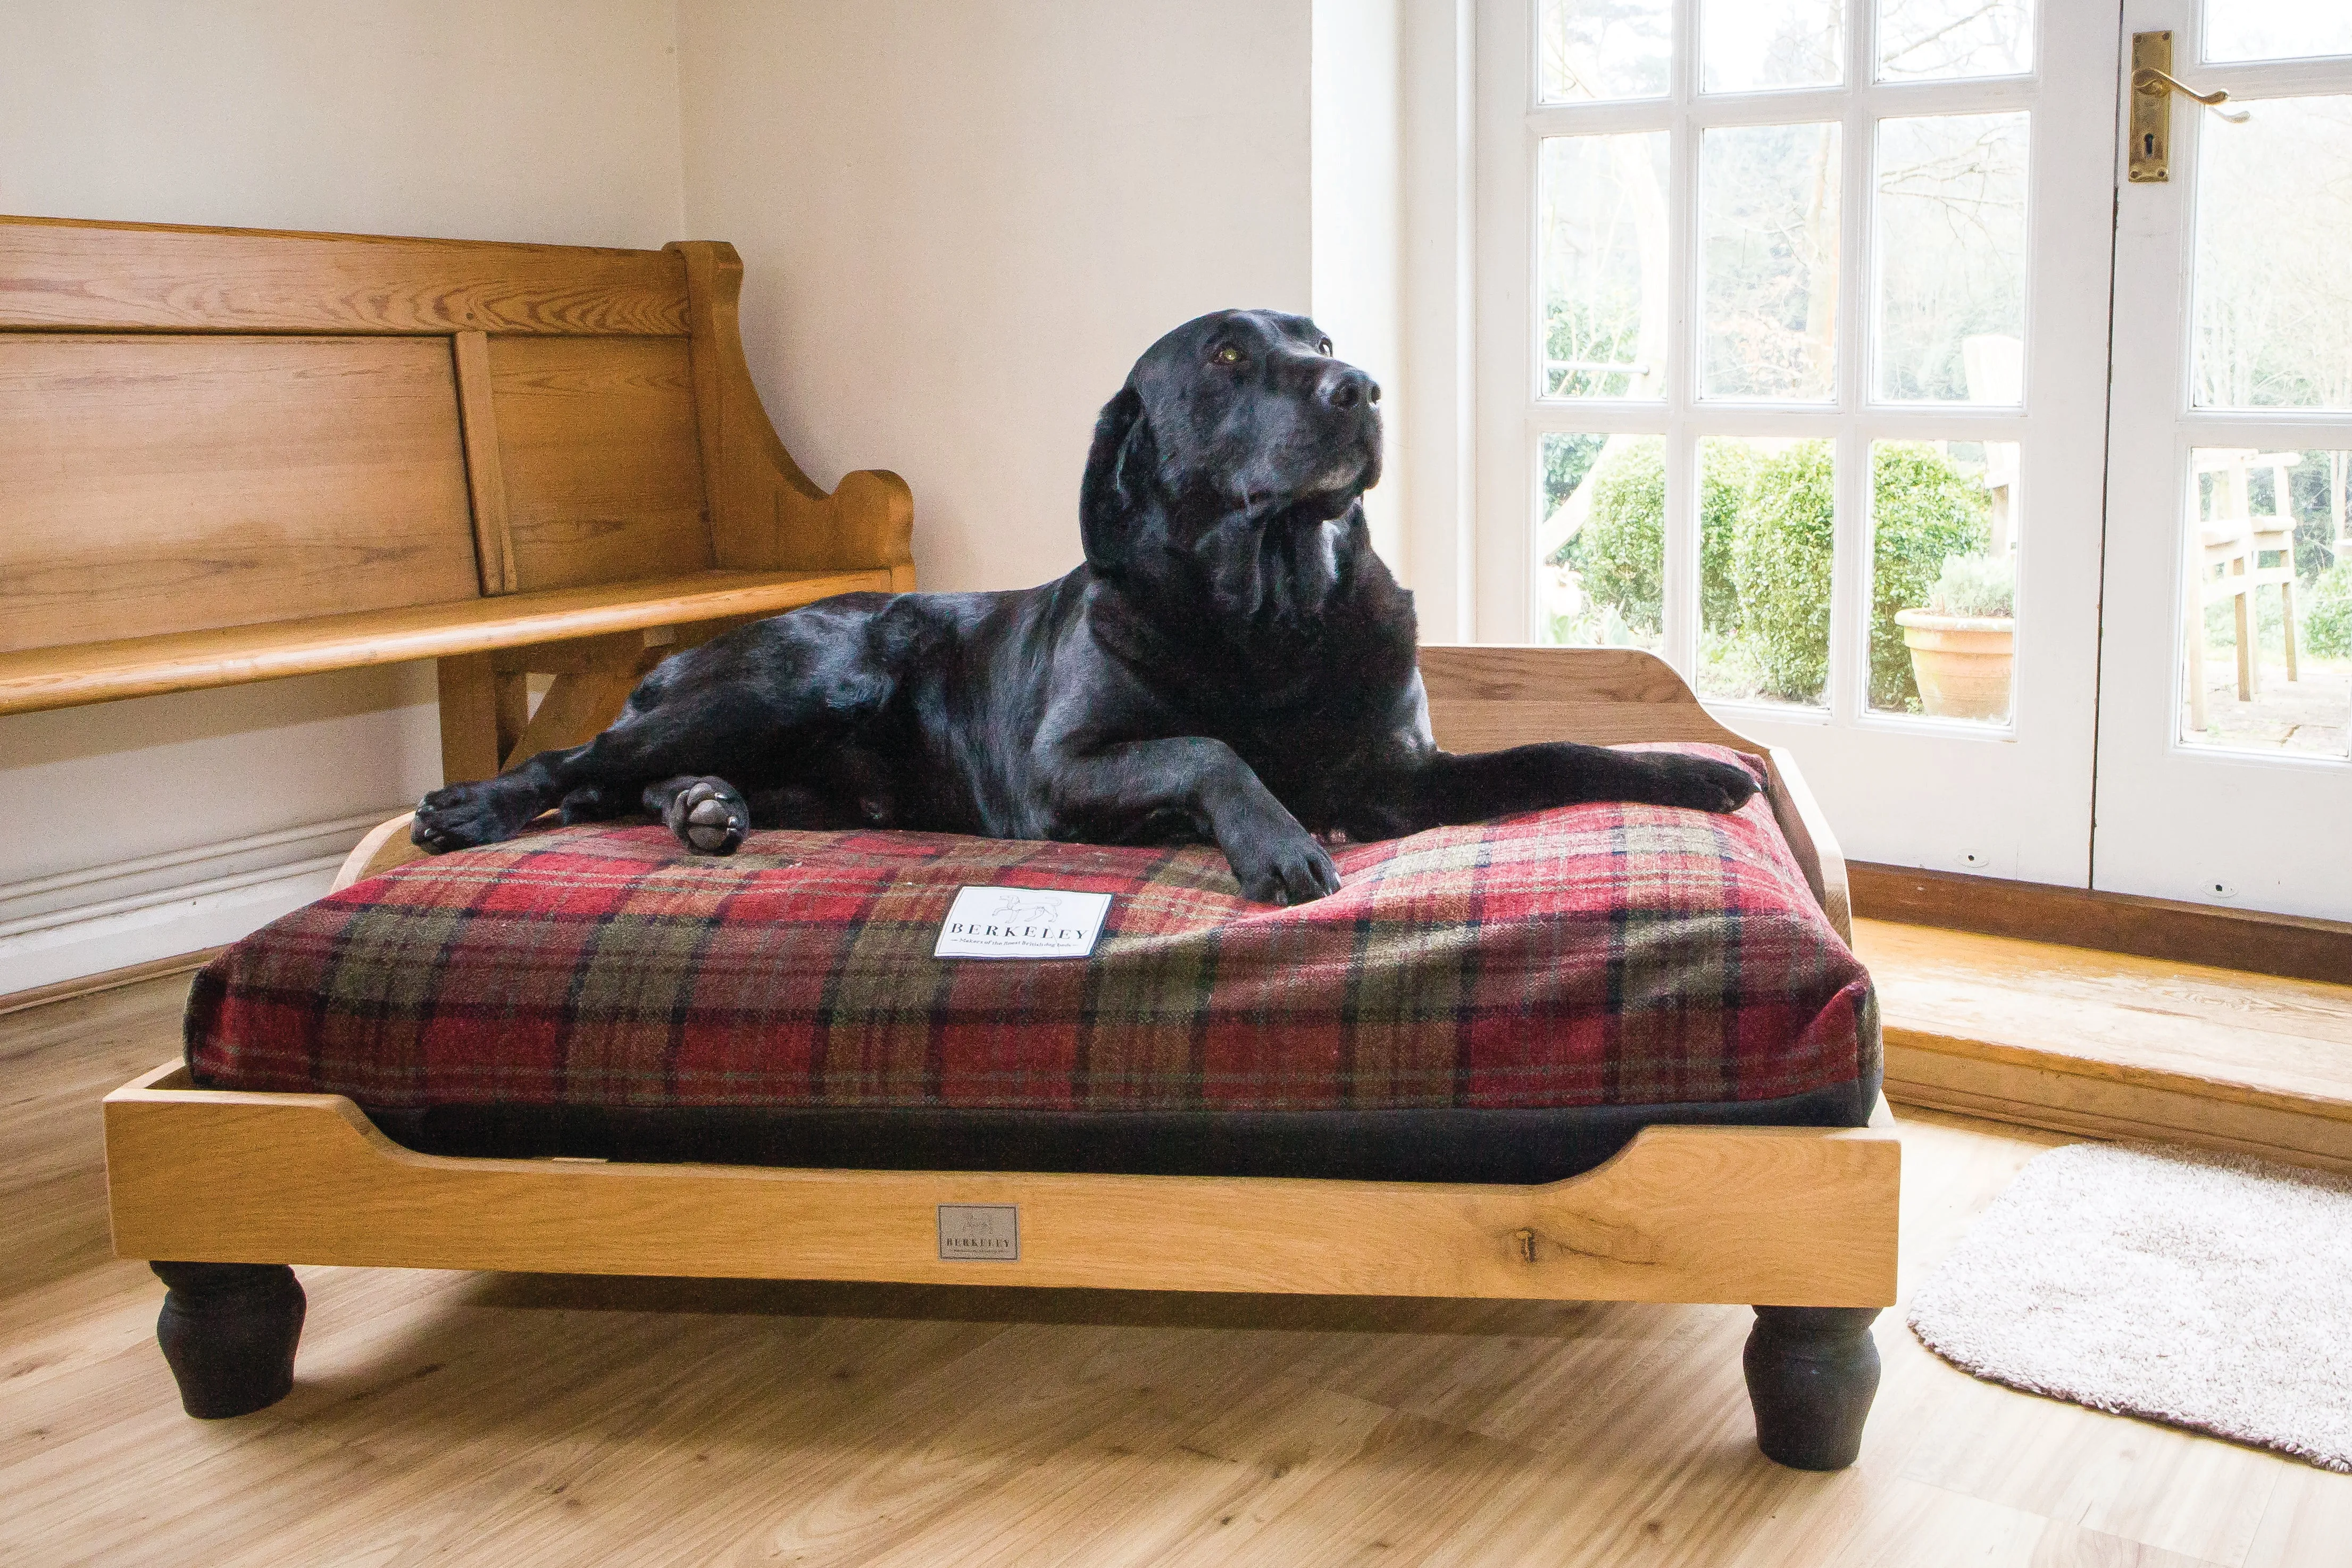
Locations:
237 455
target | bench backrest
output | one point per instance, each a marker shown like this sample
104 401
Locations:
212 428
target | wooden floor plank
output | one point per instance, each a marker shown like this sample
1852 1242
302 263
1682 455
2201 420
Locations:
533 1419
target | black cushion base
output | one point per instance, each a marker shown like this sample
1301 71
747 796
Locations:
1436 1145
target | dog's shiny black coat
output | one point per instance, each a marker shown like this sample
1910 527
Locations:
1232 664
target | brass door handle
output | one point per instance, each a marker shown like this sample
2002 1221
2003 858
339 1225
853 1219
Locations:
2152 87
2152 81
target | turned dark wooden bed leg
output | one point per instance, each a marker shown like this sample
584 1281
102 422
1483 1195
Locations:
228 1330
1812 1374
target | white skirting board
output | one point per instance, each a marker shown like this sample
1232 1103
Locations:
65 927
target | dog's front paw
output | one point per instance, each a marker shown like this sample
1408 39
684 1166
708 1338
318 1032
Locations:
1285 868
707 816
461 815
1702 784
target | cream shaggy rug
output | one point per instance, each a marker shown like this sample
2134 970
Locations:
2207 1291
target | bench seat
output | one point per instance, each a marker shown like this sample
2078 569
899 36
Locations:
35 678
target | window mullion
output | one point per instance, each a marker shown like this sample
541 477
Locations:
1678 629
1850 563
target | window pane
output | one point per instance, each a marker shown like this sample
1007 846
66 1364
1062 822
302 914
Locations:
2276 29
2269 601
1943 577
1750 46
1605 48
1768 258
1951 258
1767 531
2274 256
1926 41
1600 547
1603 219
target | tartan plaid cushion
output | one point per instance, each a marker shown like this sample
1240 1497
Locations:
1603 954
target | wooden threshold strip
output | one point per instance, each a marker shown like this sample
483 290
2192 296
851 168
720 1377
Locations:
2253 940
2113 1044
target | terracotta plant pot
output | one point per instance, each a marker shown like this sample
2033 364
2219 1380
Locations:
1962 662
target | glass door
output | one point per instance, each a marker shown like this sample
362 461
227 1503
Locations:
1792 351
2226 669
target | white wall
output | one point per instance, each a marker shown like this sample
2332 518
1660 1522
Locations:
142 829
1359 154
962 220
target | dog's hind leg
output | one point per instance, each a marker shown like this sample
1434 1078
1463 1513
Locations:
759 701
604 778
595 803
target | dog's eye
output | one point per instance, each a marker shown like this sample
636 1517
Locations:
1227 355
1324 348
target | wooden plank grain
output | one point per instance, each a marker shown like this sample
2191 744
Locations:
170 484
1796 1215
602 475
60 274
1479 696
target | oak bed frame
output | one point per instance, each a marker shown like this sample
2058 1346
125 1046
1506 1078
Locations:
530 459
1797 1222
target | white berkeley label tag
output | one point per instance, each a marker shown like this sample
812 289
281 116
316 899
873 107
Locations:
990 1231
1022 922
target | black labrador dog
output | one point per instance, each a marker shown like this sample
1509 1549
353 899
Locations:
1232 664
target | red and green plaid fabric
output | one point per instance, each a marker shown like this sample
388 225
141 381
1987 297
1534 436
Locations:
1602 955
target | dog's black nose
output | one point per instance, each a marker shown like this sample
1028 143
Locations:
1346 386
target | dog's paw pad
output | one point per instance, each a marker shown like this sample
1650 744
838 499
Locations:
708 818
709 826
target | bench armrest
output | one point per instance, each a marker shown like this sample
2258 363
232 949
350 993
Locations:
765 513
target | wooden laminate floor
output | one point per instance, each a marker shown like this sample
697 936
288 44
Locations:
521 1420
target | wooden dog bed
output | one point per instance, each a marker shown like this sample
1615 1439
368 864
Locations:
227 1188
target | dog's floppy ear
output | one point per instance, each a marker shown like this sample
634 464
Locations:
1119 468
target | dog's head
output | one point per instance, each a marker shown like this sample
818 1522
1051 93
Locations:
1233 432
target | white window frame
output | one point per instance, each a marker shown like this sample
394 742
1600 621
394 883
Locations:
2012 800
